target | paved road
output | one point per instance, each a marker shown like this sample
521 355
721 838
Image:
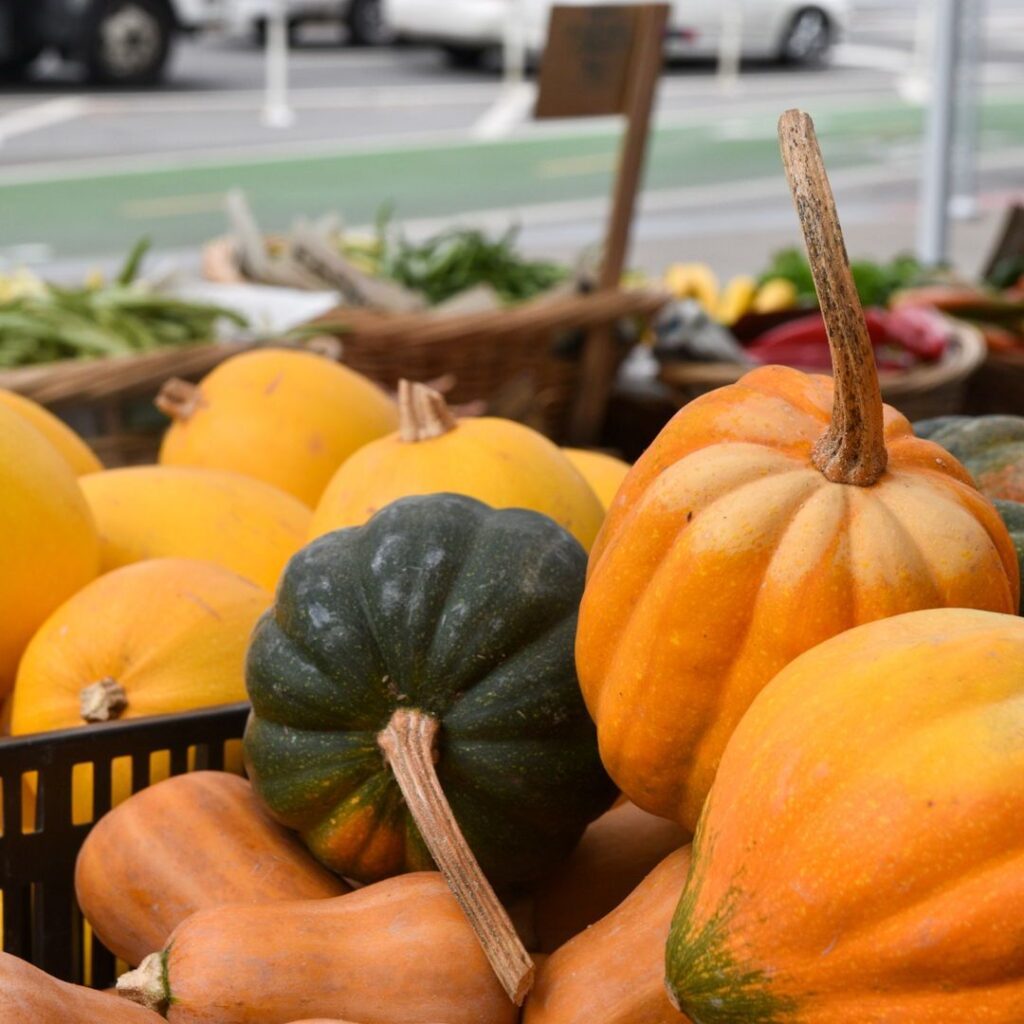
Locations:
83 174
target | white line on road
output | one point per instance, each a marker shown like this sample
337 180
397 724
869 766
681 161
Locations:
41 115
509 111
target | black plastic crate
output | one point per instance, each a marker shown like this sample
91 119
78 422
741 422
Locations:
41 919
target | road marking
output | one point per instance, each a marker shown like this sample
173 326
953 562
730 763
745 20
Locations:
41 115
173 206
572 166
511 109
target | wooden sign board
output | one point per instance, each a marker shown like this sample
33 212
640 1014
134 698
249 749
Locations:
588 61
1009 249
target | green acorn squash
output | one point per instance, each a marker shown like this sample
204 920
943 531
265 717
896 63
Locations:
442 630
1012 513
991 447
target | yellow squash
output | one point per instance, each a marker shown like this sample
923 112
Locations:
603 472
153 638
77 454
499 462
283 416
50 548
168 511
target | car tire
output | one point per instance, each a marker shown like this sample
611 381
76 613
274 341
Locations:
366 23
129 42
464 56
808 37
14 69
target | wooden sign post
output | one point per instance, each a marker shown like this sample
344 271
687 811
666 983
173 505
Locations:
602 60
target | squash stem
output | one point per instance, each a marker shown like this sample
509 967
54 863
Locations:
178 399
423 413
102 701
409 744
852 449
147 984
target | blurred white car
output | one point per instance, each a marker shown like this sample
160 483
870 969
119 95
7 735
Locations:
364 19
792 30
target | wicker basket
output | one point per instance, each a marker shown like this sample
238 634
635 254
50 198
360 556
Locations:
109 401
936 389
497 357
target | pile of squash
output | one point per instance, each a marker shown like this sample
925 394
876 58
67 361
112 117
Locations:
732 736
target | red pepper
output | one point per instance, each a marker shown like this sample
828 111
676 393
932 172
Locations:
920 330
804 341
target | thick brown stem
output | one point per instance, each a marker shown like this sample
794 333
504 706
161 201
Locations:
103 700
147 984
178 399
852 450
408 743
422 413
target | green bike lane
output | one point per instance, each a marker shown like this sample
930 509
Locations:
179 206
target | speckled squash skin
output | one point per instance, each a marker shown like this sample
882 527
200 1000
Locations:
860 859
991 447
727 553
442 604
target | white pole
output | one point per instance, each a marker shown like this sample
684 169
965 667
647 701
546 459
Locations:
730 45
964 204
515 44
276 112
933 216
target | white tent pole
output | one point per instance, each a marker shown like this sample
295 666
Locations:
933 216
276 111
964 202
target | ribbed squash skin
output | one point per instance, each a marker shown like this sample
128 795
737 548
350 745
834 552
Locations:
50 546
137 877
614 972
615 854
397 952
991 447
861 856
499 462
604 473
164 511
75 452
441 604
30 996
172 632
1012 515
285 417
727 553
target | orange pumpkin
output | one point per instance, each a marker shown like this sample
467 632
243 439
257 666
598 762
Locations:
50 546
151 638
76 453
614 972
165 511
860 858
497 461
283 416
754 528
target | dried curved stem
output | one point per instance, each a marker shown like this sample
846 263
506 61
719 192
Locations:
178 399
852 450
103 700
147 984
409 744
422 413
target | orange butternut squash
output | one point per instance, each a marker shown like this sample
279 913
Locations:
50 544
861 855
197 840
615 854
30 996
499 462
614 972
395 952
165 511
283 416
766 517
75 452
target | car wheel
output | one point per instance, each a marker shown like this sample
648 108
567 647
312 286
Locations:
130 42
366 23
13 69
464 56
808 38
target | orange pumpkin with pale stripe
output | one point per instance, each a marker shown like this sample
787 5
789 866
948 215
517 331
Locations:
754 528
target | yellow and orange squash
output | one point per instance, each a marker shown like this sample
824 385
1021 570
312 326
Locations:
284 416
766 517
242 524
50 545
604 473
499 462
861 855
76 453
